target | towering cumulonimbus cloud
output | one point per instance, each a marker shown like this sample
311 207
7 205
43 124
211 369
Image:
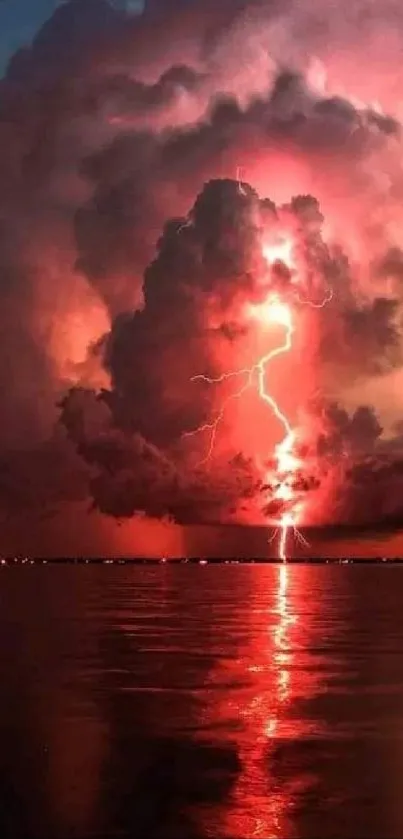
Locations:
208 268
143 159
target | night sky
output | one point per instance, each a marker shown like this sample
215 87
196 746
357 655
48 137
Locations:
201 276
19 21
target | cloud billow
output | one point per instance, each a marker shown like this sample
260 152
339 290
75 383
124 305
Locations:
129 247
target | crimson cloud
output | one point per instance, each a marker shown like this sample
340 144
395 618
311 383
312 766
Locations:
144 161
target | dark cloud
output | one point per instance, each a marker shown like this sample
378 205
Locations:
349 453
210 263
120 139
131 475
123 98
367 336
151 356
390 266
134 176
342 433
41 479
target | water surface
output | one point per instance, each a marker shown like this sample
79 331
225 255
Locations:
201 701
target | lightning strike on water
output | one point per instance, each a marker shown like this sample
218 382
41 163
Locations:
273 311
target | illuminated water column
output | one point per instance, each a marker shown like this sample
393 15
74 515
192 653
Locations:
258 712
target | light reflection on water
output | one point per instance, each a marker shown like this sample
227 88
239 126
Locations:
269 665
264 718
187 703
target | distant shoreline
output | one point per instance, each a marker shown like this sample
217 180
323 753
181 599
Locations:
12 561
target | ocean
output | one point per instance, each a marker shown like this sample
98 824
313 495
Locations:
195 701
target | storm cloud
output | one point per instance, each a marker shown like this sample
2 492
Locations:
143 159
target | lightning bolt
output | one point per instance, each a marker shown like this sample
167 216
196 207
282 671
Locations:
239 170
273 311
188 222
287 463
322 303
212 426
